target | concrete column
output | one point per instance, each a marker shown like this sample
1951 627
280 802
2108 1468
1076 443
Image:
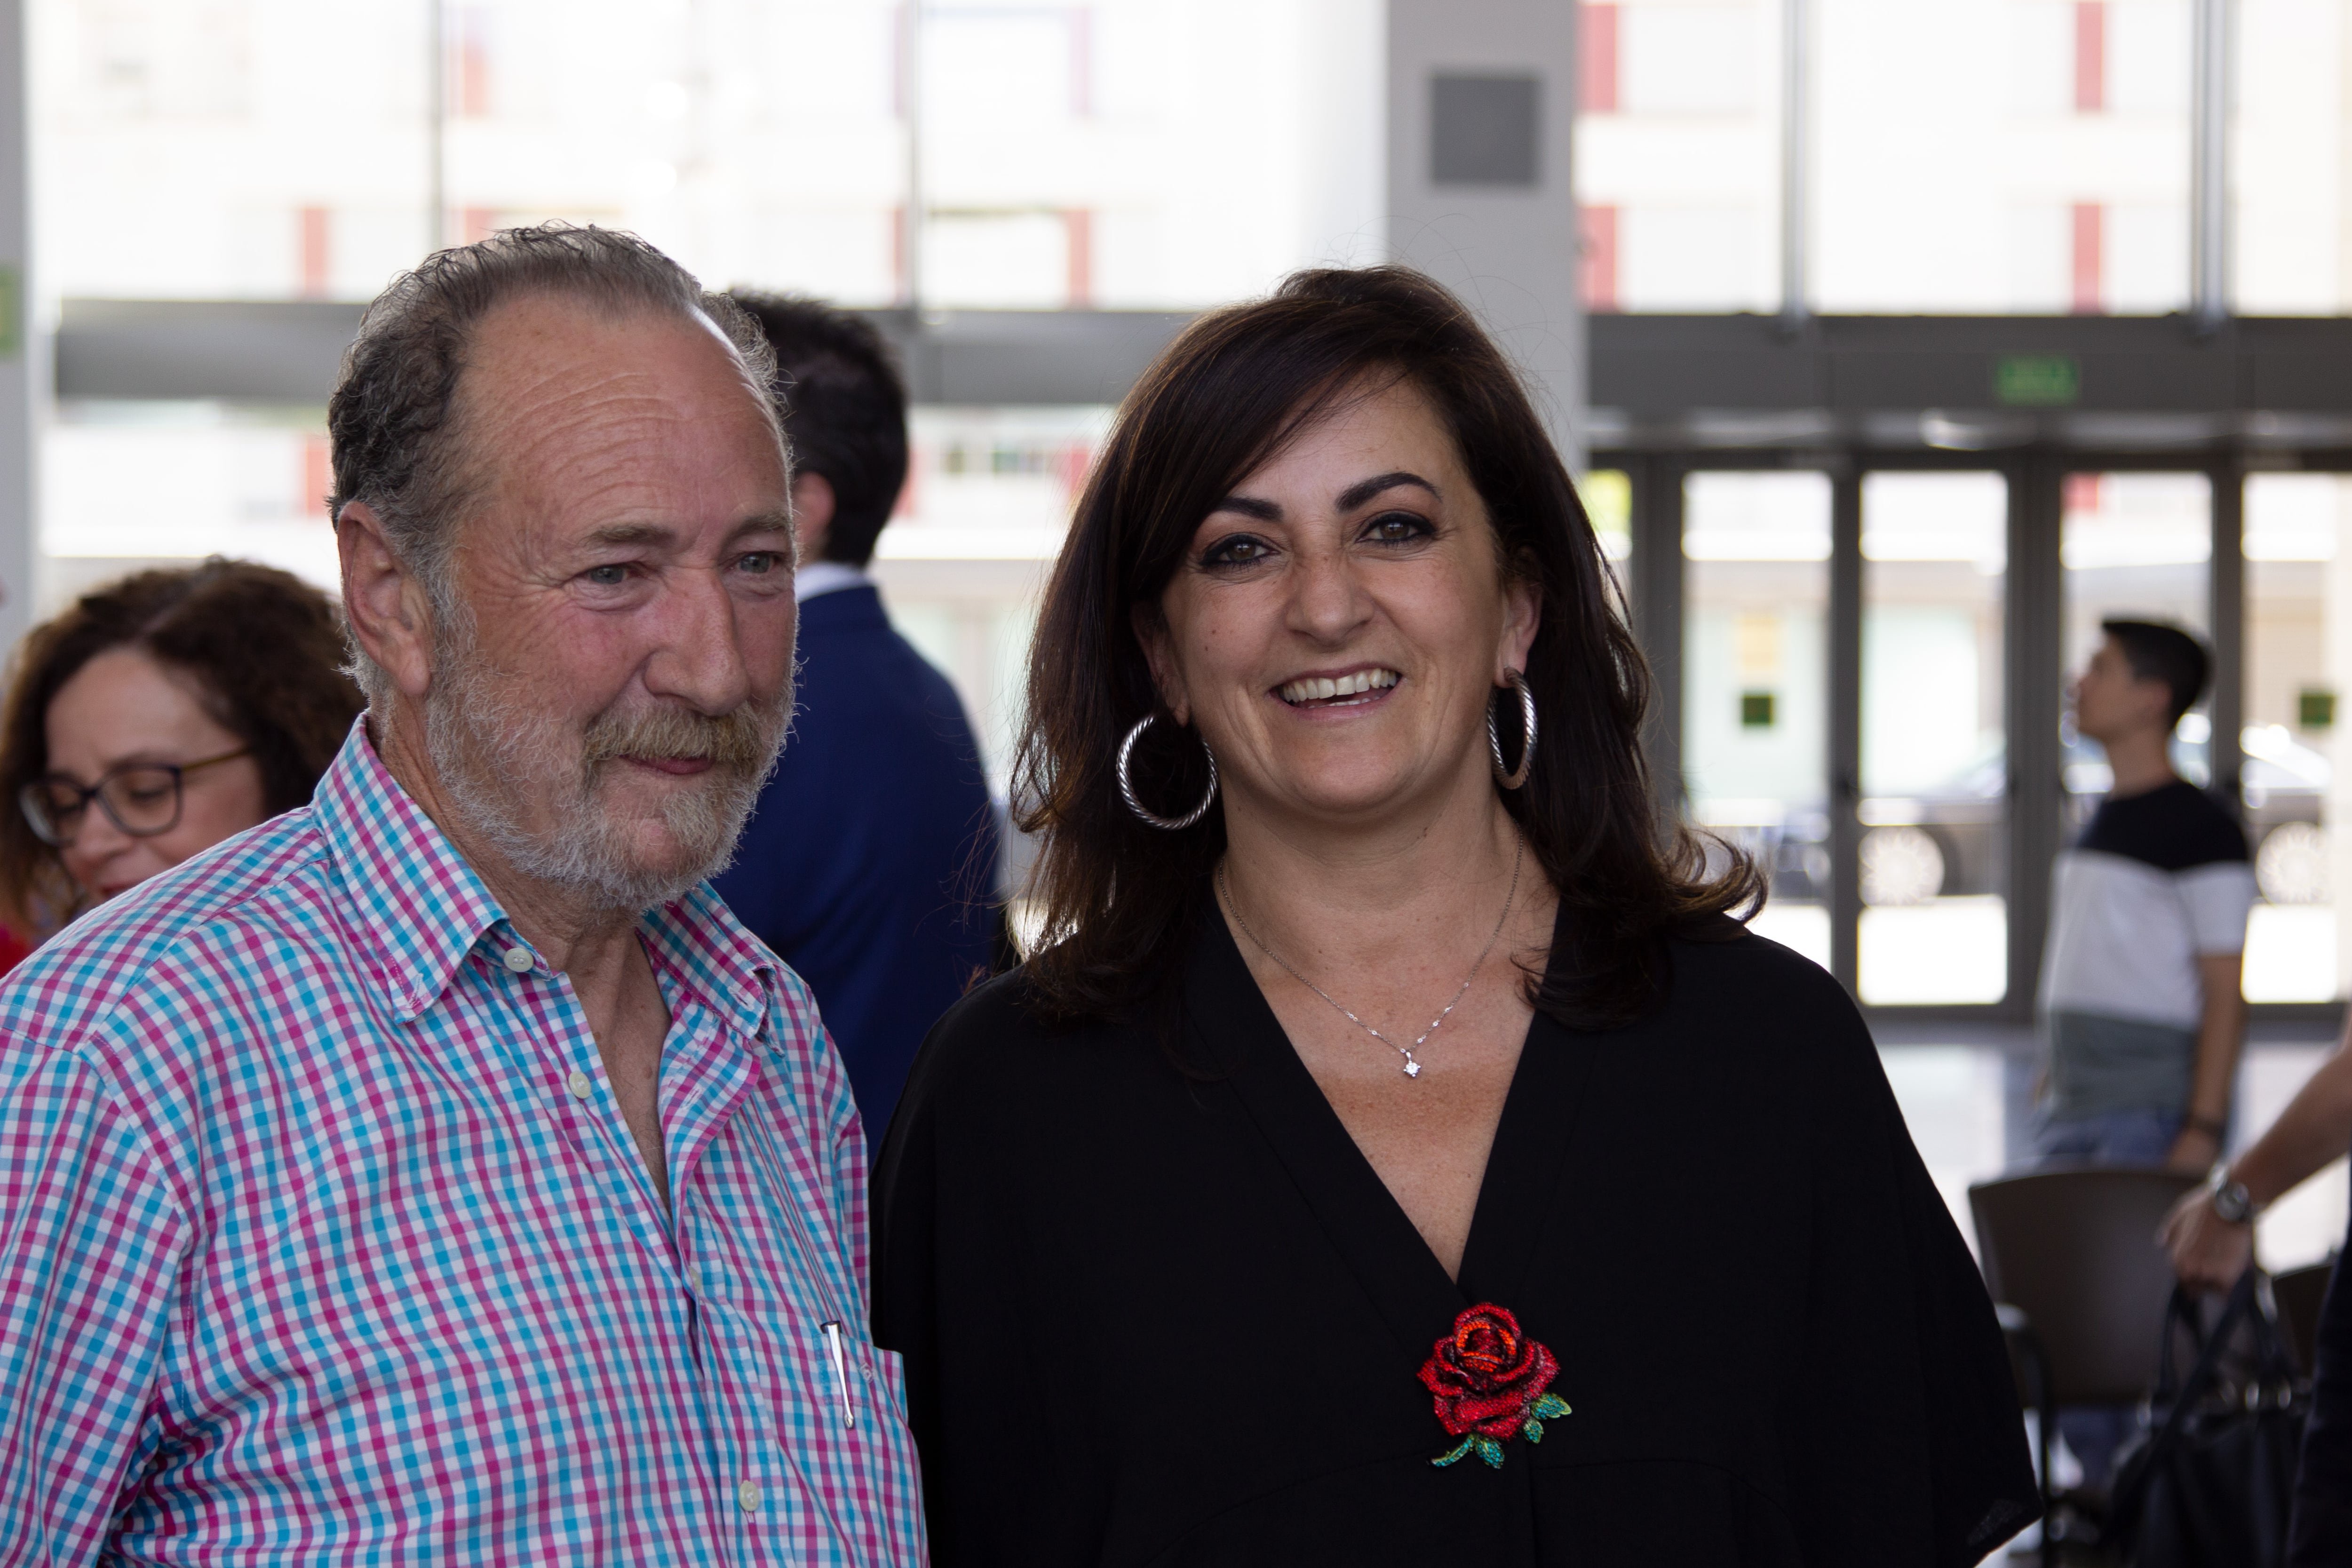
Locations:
1481 195
23 359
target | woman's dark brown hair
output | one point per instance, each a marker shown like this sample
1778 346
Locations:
263 648
1115 895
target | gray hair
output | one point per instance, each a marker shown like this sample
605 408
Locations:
397 444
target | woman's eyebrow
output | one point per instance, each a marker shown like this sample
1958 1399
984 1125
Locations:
1356 494
1250 506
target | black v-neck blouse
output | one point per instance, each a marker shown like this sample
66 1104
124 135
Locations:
1160 1317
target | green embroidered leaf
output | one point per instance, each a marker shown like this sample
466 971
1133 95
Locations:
1490 1451
1533 1430
1549 1405
1444 1459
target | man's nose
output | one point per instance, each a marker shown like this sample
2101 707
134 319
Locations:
701 659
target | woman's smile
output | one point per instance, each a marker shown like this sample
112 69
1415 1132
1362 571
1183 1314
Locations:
1363 687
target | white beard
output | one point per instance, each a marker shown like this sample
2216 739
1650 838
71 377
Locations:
493 753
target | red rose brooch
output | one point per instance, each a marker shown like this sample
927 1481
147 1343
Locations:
1489 1380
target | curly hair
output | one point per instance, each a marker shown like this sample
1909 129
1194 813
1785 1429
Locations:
262 647
1231 390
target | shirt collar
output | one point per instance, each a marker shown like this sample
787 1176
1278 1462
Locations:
825 577
416 908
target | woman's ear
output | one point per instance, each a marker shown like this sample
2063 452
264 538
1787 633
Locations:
1522 618
1158 652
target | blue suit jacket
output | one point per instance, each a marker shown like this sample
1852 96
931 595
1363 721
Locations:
871 863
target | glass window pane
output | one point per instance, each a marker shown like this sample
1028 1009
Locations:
1677 154
2298 639
1755 719
1934 810
2042 164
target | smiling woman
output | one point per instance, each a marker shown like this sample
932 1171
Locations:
157 715
1394 1151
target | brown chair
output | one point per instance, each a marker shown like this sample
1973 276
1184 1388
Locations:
2071 1255
2299 1293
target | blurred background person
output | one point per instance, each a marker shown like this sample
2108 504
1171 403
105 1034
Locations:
871 863
158 716
2147 933
2141 997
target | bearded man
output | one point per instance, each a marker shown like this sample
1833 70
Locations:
439 1174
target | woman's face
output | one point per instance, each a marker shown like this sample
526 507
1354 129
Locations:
1340 620
124 707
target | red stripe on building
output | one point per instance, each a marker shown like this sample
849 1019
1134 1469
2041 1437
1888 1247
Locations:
2090 56
2089 248
1597 267
1596 65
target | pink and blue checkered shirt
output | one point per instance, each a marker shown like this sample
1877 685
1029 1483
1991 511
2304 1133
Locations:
322 1239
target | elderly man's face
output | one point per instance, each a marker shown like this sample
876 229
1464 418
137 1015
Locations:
616 677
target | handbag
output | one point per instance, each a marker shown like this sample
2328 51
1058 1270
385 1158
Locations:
2209 1480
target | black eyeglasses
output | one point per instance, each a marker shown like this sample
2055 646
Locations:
140 798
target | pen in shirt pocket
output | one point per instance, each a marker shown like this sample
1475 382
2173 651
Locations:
831 1332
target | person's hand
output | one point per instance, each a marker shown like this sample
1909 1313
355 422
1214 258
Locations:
2209 1253
2193 1152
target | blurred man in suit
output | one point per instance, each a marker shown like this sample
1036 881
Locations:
871 863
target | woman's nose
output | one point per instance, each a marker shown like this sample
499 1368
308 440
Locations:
1328 602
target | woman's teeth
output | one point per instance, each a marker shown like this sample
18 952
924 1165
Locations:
1317 689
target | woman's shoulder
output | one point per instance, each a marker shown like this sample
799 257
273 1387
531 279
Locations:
1732 986
1000 1041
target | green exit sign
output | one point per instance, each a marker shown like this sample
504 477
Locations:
2037 381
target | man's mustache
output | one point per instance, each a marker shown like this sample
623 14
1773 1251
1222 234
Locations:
743 739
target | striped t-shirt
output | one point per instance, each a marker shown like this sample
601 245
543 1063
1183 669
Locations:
2156 880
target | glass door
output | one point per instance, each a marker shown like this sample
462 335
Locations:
1755 549
1933 841
2298 659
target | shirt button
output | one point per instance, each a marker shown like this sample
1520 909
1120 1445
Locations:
747 1494
580 1084
519 960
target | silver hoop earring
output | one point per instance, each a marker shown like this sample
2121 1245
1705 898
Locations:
1127 790
1509 778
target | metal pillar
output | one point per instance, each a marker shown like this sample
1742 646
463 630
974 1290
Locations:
23 368
2033 674
2226 615
1657 607
1796 165
1481 108
2209 182
1844 729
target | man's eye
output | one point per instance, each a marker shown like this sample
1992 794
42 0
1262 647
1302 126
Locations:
1240 550
761 562
607 576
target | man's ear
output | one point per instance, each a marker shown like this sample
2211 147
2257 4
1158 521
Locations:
813 504
1152 631
385 604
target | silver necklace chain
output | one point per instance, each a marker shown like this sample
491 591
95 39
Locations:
1412 1067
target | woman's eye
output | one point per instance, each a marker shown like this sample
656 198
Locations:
1397 528
1240 550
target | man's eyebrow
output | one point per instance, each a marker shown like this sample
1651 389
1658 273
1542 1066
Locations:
626 533
1356 494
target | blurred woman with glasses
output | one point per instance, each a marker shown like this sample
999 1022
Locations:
160 715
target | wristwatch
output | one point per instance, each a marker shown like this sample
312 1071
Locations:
2233 1204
